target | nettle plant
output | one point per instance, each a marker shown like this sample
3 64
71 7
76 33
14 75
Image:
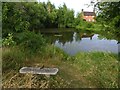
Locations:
8 41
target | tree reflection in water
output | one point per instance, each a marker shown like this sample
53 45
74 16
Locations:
73 42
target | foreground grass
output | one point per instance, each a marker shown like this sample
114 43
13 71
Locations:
84 70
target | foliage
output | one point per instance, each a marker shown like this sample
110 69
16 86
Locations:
14 18
78 19
8 41
65 16
80 24
30 41
92 69
109 16
84 25
22 16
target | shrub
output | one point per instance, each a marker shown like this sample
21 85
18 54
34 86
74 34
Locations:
89 25
8 41
29 41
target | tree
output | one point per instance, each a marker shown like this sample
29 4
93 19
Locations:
65 16
51 15
109 14
14 18
21 16
78 19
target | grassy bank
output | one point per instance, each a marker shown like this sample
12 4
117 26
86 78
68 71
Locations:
84 70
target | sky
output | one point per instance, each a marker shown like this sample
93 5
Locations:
76 5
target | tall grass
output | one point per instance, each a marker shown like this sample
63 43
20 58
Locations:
12 58
84 70
99 68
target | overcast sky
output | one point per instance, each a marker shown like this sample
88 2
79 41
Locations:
76 5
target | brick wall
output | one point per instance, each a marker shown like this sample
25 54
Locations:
89 18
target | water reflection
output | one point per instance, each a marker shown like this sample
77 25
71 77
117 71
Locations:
74 42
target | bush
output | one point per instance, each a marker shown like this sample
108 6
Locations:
8 41
29 41
89 25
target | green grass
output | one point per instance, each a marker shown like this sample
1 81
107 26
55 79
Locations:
84 70
99 68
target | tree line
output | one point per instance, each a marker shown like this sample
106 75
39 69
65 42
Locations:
20 16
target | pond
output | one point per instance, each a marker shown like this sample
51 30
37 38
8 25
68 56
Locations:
73 42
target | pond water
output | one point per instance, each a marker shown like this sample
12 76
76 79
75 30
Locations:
73 42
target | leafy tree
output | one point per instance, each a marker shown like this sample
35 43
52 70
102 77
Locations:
14 18
51 15
78 19
65 16
22 16
109 16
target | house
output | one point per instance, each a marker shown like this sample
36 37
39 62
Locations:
88 16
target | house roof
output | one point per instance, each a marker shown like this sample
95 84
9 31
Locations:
89 13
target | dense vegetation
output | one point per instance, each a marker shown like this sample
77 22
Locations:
18 17
84 70
24 46
109 17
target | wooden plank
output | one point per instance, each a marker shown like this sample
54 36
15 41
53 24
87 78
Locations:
38 70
